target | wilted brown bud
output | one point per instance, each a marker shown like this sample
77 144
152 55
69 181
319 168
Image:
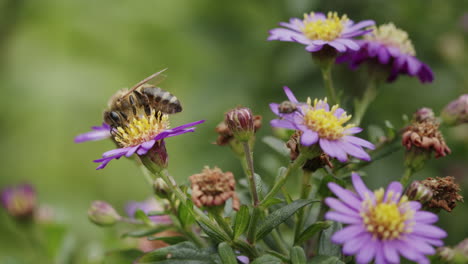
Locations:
212 187
456 112
419 192
241 123
426 137
445 193
311 164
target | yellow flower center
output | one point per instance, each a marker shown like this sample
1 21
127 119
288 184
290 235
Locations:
387 220
324 122
324 29
141 129
390 35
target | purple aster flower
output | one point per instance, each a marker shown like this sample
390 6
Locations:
389 46
382 225
19 201
147 206
323 125
98 133
317 30
456 112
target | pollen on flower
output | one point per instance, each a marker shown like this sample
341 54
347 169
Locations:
324 122
389 34
141 129
324 29
387 217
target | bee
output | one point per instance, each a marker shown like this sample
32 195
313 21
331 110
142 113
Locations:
141 99
287 107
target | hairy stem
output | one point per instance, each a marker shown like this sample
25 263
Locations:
406 176
305 192
360 106
250 173
328 82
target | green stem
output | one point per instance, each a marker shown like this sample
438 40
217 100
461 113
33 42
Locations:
282 178
305 192
406 176
252 231
360 106
217 214
250 173
328 82
279 242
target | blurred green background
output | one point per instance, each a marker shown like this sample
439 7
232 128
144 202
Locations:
60 61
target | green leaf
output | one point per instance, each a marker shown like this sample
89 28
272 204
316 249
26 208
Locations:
272 201
267 259
279 216
185 213
122 256
140 215
326 247
55 235
323 189
320 259
171 240
218 235
242 221
145 232
260 186
298 255
311 231
276 144
227 254
183 253
156 213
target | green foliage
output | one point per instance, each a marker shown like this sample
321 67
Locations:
326 246
310 231
298 255
184 252
279 216
267 259
144 232
241 222
321 259
226 254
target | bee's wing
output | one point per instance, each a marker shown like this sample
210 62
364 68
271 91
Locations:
157 79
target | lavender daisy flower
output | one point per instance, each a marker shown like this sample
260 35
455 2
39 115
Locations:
147 206
98 133
19 201
323 125
382 225
317 30
390 46
140 135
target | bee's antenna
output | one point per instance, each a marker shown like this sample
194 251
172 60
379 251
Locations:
147 79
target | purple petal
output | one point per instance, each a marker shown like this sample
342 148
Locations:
114 152
425 217
282 123
390 252
284 34
413 65
345 196
309 137
343 218
352 246
131 151
394 188
339 150
98 133
148 144
429 231
294 24
357 26
383 55
275 108
352 45
359 141
243 259
407 250
353 130
347 233
365 256
415 205
338 46
355 150
379 254
359 185
188 125
290 95
313 47
340 207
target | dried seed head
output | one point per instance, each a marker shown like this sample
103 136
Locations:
425 136
212 187
445 193
419 192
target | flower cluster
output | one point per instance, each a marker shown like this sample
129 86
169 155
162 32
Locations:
382 224
323 125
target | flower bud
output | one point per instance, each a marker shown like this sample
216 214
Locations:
158 155
19 201
160 188
456 112
424 114
419 192
446 253
241 123
103 214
